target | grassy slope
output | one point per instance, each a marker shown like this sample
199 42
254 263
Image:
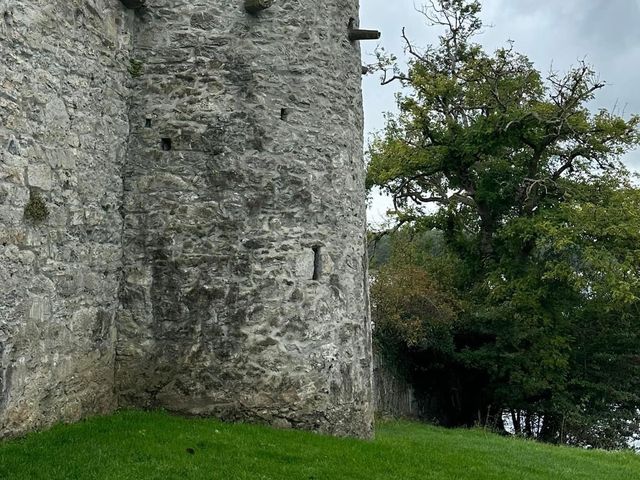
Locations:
134 445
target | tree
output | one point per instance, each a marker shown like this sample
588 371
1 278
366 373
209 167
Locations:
527 187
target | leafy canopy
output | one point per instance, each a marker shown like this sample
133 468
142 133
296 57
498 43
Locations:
540 221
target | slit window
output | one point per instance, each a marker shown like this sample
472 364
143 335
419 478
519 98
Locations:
165 144
317 263
284 114
147 123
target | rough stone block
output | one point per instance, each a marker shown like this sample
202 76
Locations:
39 176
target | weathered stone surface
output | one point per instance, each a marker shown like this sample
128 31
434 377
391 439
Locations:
221 314
63 135
207 165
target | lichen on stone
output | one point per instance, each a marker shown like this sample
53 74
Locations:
36 210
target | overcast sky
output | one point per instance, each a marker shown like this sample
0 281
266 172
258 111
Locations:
560 32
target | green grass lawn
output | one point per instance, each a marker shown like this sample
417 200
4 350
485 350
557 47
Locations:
147 446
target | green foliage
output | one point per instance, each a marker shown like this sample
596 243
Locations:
36 210
135 445
412 307
136 68
540 225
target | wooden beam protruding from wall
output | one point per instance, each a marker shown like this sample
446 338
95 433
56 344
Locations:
356 34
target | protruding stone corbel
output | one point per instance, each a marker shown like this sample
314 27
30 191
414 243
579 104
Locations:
255 6
134 4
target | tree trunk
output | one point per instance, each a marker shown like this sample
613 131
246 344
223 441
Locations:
527 425
516 422
550 429
487 228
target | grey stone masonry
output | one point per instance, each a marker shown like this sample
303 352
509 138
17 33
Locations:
63 138
182 215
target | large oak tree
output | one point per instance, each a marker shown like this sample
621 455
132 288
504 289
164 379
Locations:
541 219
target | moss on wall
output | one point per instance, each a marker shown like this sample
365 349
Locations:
36 210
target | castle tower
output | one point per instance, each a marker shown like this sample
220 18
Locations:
244 290
182 217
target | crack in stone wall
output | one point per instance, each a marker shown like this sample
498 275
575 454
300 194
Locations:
233 234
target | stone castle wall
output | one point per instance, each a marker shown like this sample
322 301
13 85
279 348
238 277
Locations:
203 173
63 135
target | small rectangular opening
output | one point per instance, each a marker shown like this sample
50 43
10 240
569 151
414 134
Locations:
317 263
134 4
165 144
284 114
147 123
